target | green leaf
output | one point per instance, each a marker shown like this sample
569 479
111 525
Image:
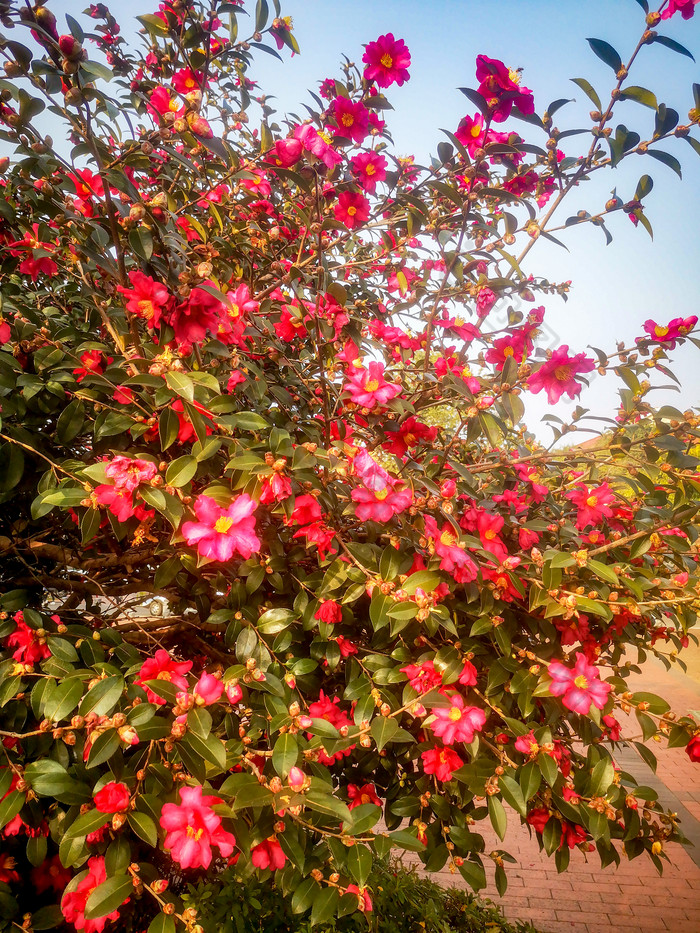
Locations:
86 823
328 805
644 186
108 896
383 728
498 817
606 53
97 70
285 754
325 905
103 697
141 242
512 794
10 807
673 45
249 421
70 421
360 864
162 924
11 466
64 699
641 95
474 874
667 159
104 746
168 428
604 572
181 471
601 778
181 384
144 827
589 91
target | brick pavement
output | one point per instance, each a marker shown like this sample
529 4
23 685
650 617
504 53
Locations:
632 898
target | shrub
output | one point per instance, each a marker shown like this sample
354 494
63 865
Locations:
280 559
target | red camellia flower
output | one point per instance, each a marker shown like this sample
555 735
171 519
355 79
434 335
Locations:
668 334
50 875
364 901
162 667
29 647
268 854
500 86
192 828
329 612
112 798
423 677
367 793
579 687
352 209
538 818
221 532
74 903
387 61
693 748
558 375
441 762
146 298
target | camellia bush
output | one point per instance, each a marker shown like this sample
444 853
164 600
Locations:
286 583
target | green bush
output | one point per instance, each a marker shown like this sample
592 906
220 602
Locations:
404 901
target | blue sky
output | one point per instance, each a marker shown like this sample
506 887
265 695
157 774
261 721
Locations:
615 288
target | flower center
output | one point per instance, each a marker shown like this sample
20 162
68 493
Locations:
365 798
373 384
660 331
514 76
581 682
508 351
352 211
490 534
455 714
386 60
347 119
147 309
447 538
194 833
223 524
562 373
381 494
370 169
592 501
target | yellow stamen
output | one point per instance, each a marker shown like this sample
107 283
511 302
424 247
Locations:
223 524
581 682
386 60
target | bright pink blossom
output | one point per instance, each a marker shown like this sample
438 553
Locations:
382 504
352 209
367 793
387 61
162 667
29 647
668 334
369 388
351 119
685 7
268 854
369 168
579 687
146 298
593 504
423 677
192 828
500 86
220 533
558 375
208 689
74 903
459 722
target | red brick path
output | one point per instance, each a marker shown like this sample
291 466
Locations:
588 899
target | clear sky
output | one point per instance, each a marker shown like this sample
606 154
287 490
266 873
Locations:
615 288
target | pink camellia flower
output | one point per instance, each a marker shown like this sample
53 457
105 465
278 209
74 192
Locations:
381 505
558 375
364 901
296 778
5 332
459 722
268 854
352 209
287 152
668 334
453 557
593 504
365 794
351 117
128 473
579 687
470 133
313 142
74 903
500 86
112 798
387 61
685 7
162 667
117 499
441 762
369 168
220 532
410 433
527 744
329 612
208 689
275 488
367 387
692 749
185 80
192 828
